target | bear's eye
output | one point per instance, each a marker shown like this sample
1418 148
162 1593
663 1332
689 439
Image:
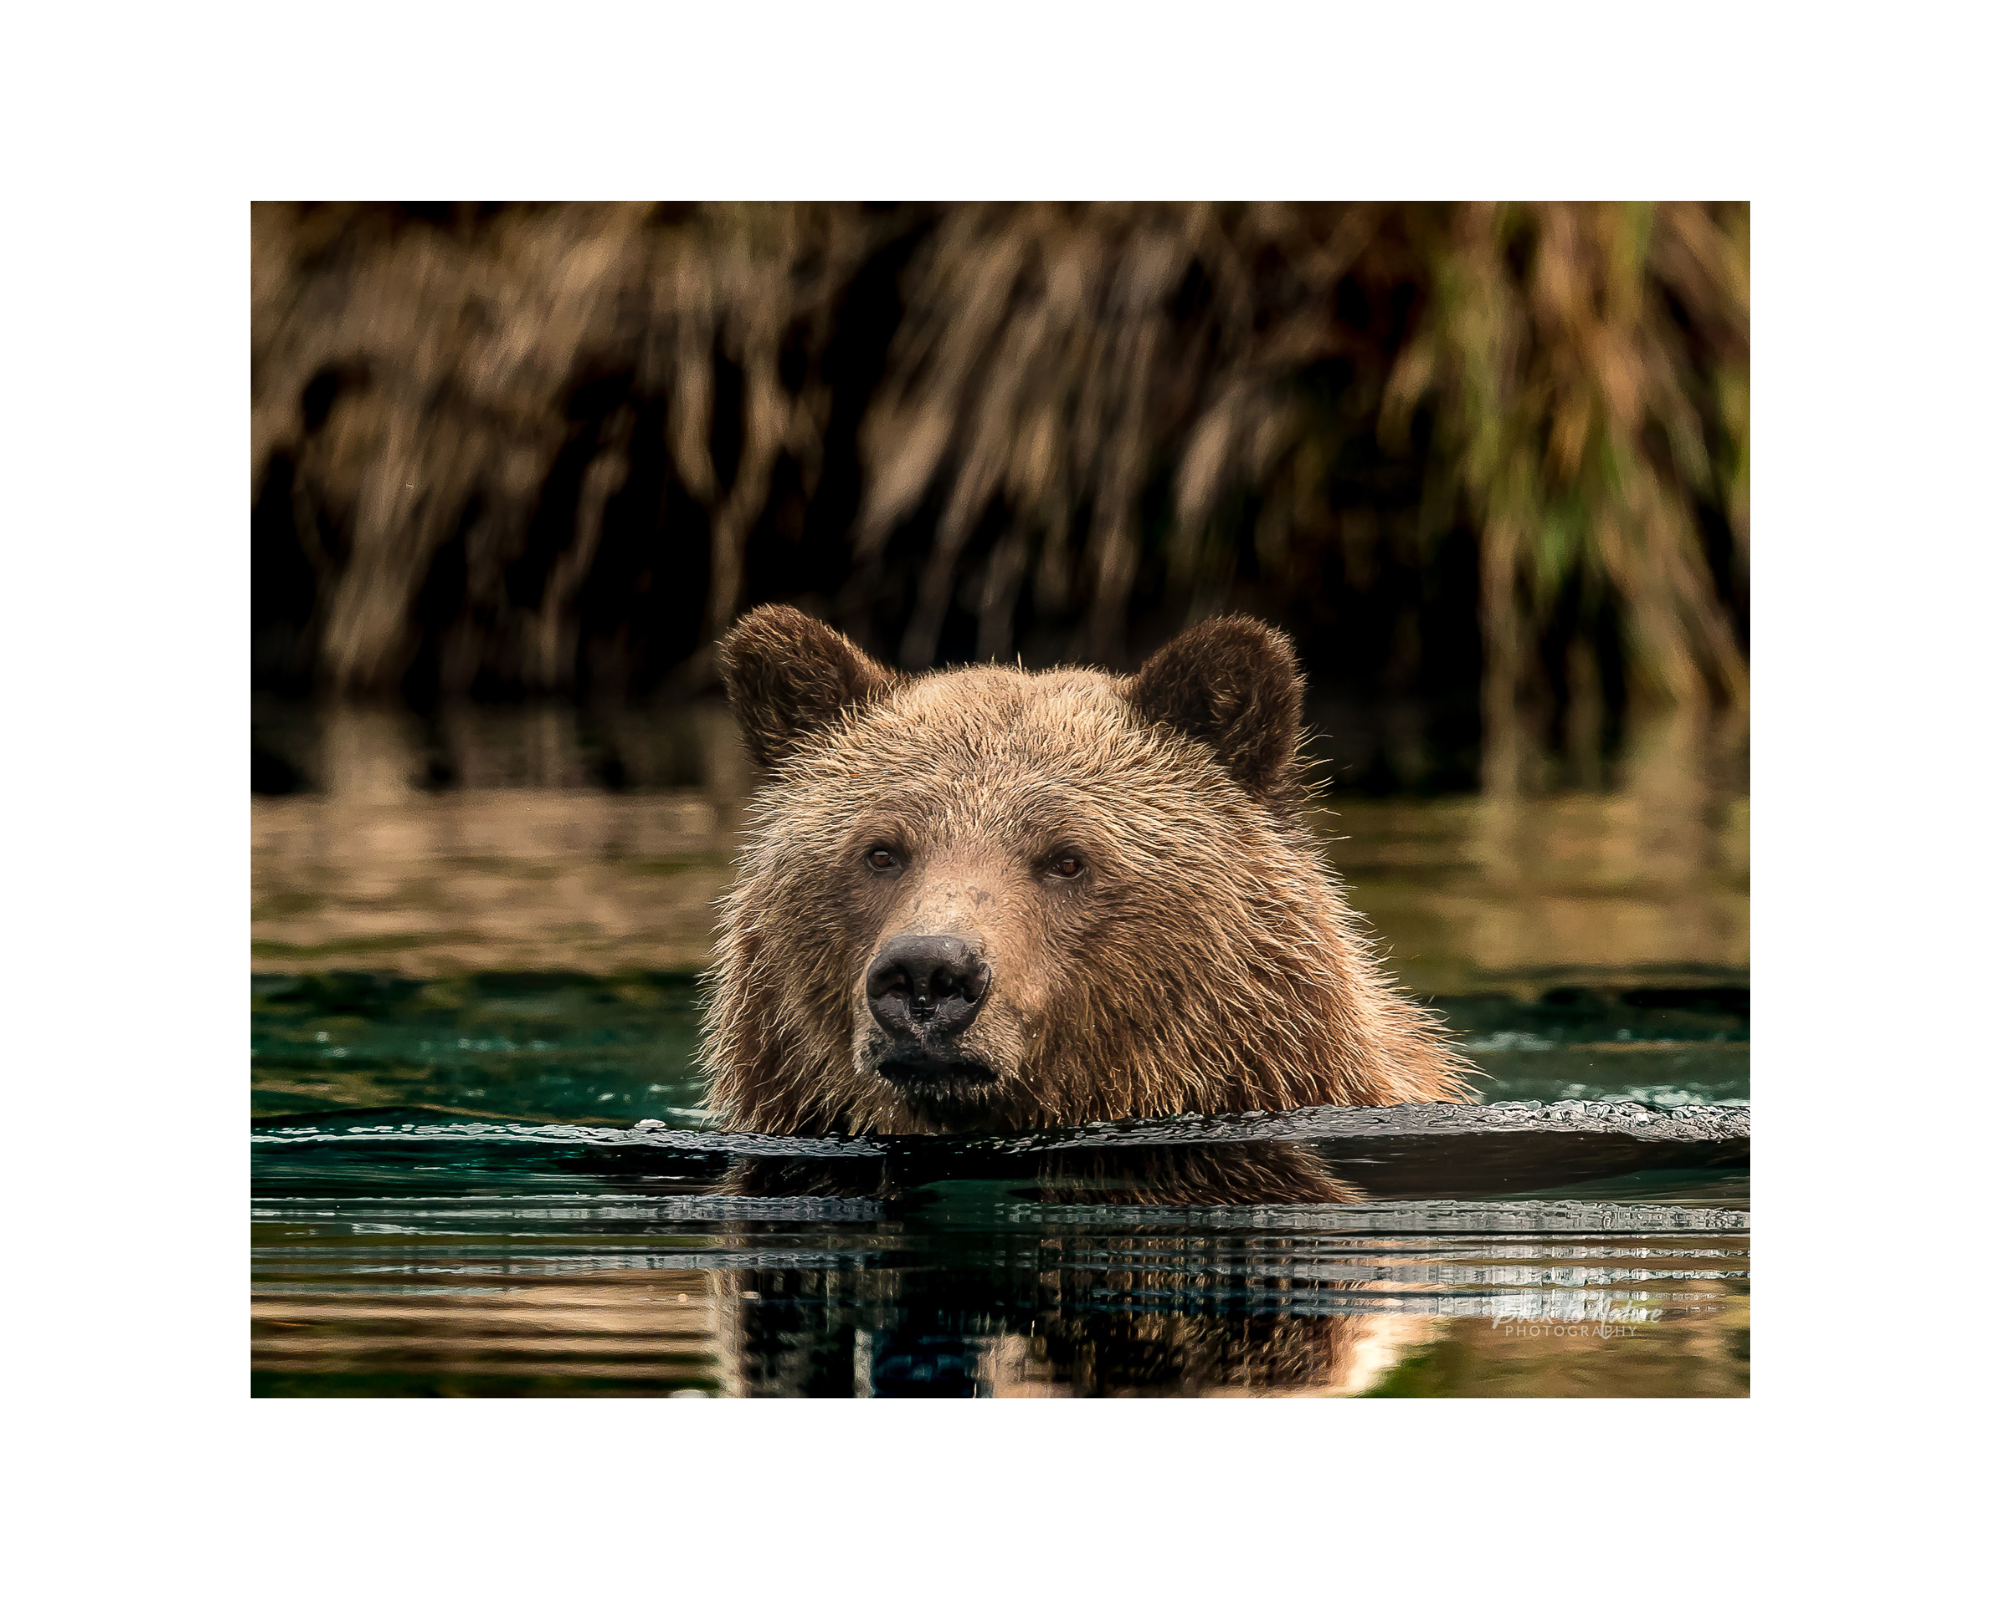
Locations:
1065 867
882 860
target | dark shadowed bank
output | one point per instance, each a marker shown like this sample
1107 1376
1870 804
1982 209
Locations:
1488 463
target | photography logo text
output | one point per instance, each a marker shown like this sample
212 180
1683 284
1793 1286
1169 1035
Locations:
1577 1322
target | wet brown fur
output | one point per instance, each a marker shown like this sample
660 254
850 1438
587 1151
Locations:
1205 961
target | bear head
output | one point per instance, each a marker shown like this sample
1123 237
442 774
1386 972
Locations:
988 898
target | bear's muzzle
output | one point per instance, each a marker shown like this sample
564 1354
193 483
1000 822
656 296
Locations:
924 991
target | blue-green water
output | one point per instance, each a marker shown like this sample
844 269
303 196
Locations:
541 921
407 1264
564 1047
557 1047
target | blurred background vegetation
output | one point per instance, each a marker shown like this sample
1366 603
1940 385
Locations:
1488 463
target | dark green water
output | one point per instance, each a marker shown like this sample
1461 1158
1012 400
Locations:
411 1263
565 1048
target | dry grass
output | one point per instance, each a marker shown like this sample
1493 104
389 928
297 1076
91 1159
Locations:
1069 416
1593 364
461 348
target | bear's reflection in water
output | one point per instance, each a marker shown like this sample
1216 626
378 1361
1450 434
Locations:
1262 1173
801 1336
1074 1310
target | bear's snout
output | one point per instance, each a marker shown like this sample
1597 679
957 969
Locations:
925 989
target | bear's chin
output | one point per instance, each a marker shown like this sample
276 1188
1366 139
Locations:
950 1090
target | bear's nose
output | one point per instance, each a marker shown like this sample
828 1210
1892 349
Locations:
926 986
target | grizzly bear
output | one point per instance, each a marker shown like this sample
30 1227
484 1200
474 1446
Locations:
990 899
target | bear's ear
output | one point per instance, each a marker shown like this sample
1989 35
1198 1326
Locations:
1234 685
789 676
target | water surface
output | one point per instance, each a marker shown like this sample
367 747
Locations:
496 921
398 1272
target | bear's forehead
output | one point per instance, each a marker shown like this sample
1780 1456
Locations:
1005 702
977 717
981 738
